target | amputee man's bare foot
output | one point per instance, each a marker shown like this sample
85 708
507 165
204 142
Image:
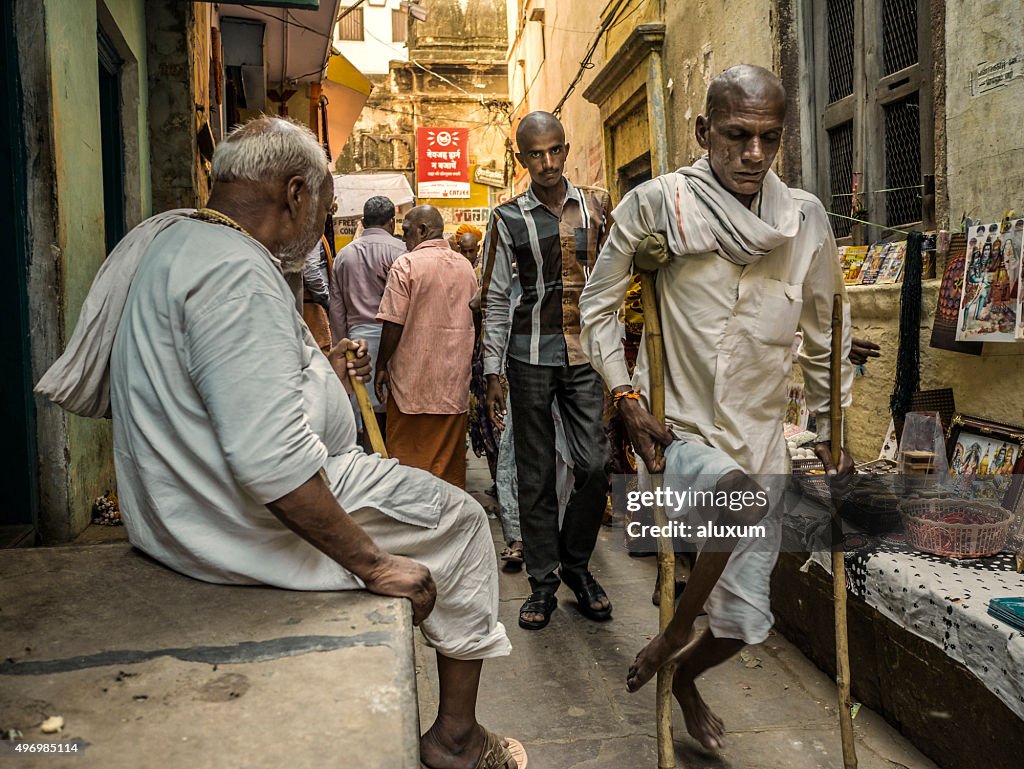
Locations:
701 722
651 659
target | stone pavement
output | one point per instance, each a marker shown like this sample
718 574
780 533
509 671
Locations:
562 692
152 669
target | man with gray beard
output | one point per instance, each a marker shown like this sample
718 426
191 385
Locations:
234 440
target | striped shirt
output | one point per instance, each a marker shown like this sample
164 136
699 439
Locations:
554 256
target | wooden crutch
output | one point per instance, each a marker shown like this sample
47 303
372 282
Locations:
838 555
366 409
666 553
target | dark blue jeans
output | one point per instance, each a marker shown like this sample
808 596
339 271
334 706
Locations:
580 396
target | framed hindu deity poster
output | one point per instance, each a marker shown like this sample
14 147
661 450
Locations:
986 459
988 301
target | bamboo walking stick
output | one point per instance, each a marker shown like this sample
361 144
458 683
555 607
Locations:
838 554
666 554
366 409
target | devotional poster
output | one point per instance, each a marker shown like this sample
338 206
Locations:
947 312
988 305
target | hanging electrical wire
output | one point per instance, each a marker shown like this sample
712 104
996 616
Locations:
609 23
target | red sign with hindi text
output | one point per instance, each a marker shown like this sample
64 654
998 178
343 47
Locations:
442 162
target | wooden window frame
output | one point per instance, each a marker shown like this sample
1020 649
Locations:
352 16
865 107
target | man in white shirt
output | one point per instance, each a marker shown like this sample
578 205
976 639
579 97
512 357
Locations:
235 442
751 263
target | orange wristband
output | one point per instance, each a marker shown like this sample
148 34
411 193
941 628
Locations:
631 394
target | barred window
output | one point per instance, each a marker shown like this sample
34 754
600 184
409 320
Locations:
873 110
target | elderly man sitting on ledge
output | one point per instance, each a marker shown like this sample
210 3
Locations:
234 440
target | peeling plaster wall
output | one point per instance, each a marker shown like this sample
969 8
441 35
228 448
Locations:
70 32
461 43
984 135
552 52
703 38
176 33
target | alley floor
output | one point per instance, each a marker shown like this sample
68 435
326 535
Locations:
562 691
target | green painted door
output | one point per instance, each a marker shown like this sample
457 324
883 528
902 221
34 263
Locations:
19 504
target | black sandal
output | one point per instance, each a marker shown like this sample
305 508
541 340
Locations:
586 593
539 602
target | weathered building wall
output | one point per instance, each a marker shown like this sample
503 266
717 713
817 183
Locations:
460 80
78 247
704 37
177 33
985 140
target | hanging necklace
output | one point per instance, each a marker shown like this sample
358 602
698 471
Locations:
216 217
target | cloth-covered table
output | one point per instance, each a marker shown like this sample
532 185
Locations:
944 601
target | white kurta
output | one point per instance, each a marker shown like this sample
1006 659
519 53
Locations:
222 402
727 330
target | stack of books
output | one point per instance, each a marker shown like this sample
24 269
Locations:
877 263
1008 610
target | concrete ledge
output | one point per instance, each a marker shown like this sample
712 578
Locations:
933 700
148 667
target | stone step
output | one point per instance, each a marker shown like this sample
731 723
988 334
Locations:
150 668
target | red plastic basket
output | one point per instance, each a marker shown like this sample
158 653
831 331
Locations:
955 528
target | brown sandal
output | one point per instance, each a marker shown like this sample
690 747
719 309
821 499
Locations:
513 557
494 755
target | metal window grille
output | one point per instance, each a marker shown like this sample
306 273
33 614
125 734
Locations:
899 34
350 27
839 21
903 161
840 177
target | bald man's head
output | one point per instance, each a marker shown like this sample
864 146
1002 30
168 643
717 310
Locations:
741 129
745 81
468 245
540 138
422 223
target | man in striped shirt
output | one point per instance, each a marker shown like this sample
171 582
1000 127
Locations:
553 233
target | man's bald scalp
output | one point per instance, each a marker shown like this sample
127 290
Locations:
745 80
429 217
537 122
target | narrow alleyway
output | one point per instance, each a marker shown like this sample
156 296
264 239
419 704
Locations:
562 692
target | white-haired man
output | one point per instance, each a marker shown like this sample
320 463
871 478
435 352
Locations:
235 442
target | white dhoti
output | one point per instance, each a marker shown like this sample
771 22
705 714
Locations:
460 555
739 605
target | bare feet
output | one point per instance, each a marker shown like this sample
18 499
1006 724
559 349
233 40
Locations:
702 724
651 659
439 750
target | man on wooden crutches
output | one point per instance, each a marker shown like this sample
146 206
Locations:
743 262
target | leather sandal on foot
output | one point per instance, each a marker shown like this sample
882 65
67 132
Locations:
540 602
587 591
494 755
513 557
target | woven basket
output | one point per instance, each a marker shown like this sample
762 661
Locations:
955 528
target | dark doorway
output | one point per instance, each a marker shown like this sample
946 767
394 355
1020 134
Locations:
635 173
112 138
19 509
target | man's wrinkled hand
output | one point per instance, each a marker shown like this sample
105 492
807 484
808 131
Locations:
645 433
495 402
382 382
358 367
401 577
840 479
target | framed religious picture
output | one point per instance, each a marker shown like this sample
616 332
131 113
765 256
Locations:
986 461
